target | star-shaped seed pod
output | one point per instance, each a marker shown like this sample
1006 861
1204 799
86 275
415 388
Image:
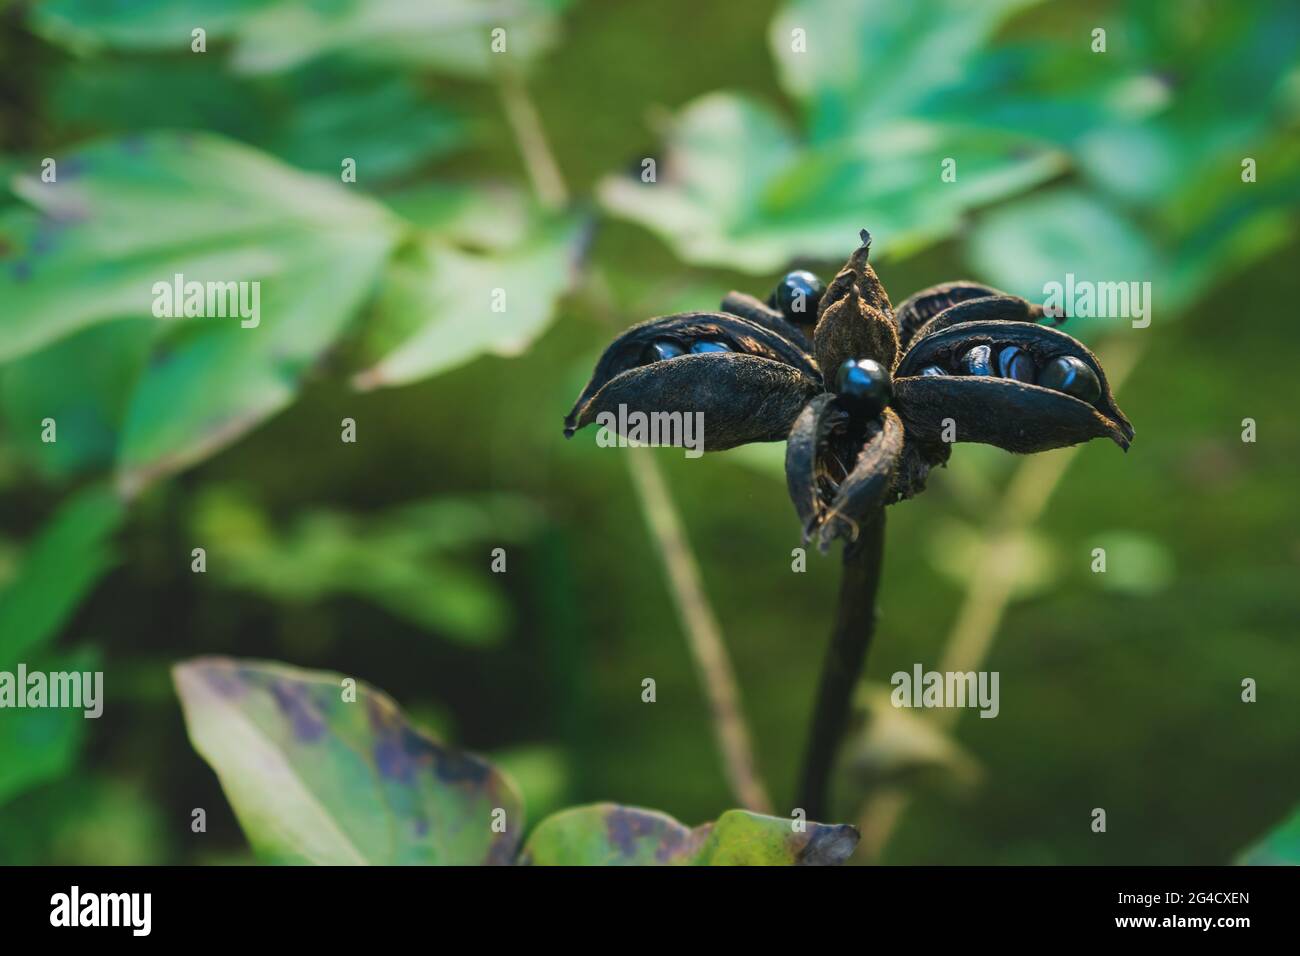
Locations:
870 398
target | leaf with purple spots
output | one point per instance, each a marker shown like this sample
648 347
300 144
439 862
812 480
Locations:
606 834
315 778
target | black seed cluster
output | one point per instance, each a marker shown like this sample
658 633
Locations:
661 349
1065 373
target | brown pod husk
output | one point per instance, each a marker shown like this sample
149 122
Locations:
743 398
855 319
914 465
993 411
990 308
869 484
920 307
760 313
805 468
1076 420
837 473
744 337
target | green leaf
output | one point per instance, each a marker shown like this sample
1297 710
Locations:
59 568
382 121
83 382
312 118
1279 847
442 307
868 60
210 384
126 216
452 36
39 745
405 560
314 778
1038 239
487 215
606 834
737 189
87 25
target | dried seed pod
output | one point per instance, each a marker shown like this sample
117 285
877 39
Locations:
921 307
856 319
760 313
989 308
839 471
974 357
682 331
748 381
1014 415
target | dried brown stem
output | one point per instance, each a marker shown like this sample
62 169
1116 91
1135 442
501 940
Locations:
855 623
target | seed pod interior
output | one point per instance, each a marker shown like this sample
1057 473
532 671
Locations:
948 349
635 347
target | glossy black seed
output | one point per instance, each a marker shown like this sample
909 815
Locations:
1016 363
933 370
797 295
1072 376
660 350
863 387
699 347
978 361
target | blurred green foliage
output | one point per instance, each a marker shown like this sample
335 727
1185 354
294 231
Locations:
1119 690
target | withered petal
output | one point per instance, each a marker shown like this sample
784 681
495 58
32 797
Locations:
837 477
1012 415
989 308
995 410
810 430
760 313
743 398
869 484
855 319
920 307
743 336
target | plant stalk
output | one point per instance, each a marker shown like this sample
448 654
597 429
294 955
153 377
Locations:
703 635
855 623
